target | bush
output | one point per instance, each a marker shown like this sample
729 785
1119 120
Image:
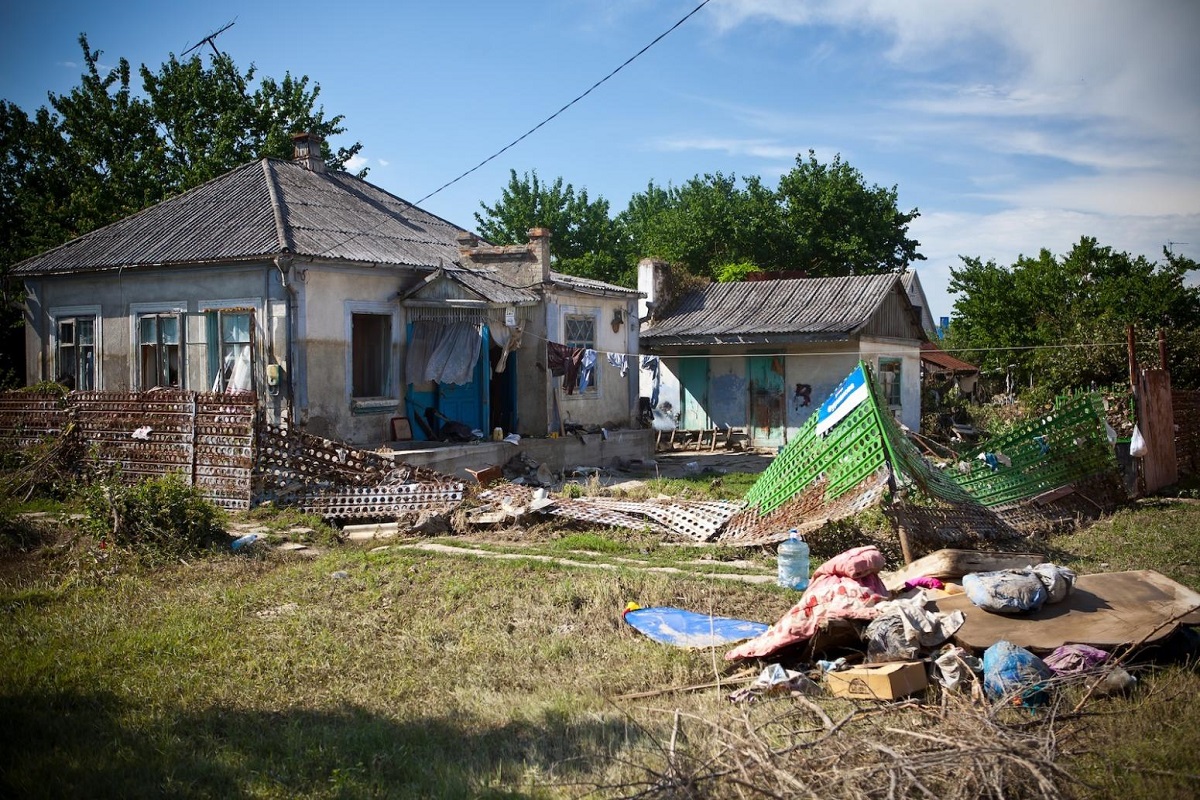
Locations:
158 516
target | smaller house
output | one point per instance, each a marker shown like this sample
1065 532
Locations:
760 355
941 371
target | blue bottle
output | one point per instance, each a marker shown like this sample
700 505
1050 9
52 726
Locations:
793 562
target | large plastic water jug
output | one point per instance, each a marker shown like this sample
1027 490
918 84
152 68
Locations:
793 562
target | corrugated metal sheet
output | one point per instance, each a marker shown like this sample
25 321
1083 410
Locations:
588 285
330 215
808 309
488 284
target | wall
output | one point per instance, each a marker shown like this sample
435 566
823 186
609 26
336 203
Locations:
117 296
610 404
328 296
909 354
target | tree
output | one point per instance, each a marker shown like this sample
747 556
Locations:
836 225
1063 320
584 240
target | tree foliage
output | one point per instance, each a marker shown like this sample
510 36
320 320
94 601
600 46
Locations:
1063 320
822 219
103 151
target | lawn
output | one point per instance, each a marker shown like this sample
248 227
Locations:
406 673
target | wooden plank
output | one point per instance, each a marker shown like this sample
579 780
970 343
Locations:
952 563
1156 420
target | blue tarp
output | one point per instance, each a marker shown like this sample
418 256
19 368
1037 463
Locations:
688 629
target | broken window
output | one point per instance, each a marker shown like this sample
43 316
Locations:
371 354
75 364
160 351
231 345
889 376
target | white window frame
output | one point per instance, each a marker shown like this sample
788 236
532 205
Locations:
391 394
591 313
250 304
136 312
897 381
62 313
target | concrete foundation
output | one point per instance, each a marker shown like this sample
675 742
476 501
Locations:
566 452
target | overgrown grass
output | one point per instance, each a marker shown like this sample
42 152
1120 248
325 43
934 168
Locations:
403 673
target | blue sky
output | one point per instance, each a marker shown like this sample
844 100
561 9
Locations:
1011 125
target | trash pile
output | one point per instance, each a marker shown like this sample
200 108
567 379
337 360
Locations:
1011 633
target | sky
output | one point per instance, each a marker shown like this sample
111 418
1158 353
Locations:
1010 125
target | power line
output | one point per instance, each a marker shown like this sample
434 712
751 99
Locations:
595 85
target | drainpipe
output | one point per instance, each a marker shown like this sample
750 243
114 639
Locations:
287 277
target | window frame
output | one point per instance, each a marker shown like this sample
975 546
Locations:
139 311
62 314
897 390
391 359
592 315
214 314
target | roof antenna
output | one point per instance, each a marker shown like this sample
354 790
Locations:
209 40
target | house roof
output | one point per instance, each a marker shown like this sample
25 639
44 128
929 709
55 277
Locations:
488 283
942 361
589 285
803 309
256 211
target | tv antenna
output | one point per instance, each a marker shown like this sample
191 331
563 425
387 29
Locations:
209 39
1171 246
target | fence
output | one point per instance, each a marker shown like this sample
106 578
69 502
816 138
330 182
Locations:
206 438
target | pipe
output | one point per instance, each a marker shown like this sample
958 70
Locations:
287 276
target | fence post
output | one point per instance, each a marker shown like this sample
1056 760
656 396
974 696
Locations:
192 446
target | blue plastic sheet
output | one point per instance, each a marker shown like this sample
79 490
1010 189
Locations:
681 628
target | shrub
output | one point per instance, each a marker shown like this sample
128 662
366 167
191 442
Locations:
157 516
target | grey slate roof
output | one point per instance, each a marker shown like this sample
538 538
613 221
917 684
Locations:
807 309
490 284
259 210
588 285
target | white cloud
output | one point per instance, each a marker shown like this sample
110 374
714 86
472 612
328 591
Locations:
355 163
756 148
384 162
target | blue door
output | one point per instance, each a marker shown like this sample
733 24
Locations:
693 379
768 406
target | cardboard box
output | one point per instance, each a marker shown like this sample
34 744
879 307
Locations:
878 681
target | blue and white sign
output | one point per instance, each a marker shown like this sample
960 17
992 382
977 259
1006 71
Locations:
852 391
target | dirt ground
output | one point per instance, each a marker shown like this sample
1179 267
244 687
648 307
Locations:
684 463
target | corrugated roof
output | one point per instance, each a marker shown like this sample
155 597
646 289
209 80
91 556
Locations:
804 309
588 284
943 361
489 284
259 210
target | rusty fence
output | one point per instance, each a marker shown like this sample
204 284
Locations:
206 438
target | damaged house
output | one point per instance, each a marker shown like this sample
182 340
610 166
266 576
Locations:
759 355
342 307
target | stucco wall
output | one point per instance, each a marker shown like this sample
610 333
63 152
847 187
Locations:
329 298
610 403
909 354
117 297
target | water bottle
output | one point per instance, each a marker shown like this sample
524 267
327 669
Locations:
793 562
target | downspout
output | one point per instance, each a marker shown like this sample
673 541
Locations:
287 276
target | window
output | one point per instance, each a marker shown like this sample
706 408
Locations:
231 347
160 351
371 354
889 376
581 332
75 365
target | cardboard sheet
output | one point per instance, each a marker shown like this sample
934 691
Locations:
1105 610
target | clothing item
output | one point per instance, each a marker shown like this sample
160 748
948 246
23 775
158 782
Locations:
587 369
651 365
620 361
565 361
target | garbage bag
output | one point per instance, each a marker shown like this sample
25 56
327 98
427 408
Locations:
1059 581
888 641
1013 672
1009 591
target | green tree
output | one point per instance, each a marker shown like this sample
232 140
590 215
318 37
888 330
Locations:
837 225
584 239
1062 321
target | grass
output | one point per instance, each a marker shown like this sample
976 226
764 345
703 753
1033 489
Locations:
404 673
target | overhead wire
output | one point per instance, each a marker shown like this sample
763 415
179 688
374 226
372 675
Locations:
535 128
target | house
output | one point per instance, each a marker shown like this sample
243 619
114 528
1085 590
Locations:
307 286
916 295
761 354
941 371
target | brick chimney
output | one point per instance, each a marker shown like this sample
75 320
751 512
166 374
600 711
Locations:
306 151
539 248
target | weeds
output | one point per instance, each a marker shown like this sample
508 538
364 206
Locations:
163 518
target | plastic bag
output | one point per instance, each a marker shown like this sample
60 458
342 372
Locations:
1013 672
1059 581
1137 444
1009 591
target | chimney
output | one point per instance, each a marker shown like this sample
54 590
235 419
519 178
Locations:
306 151
539 247
653 284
